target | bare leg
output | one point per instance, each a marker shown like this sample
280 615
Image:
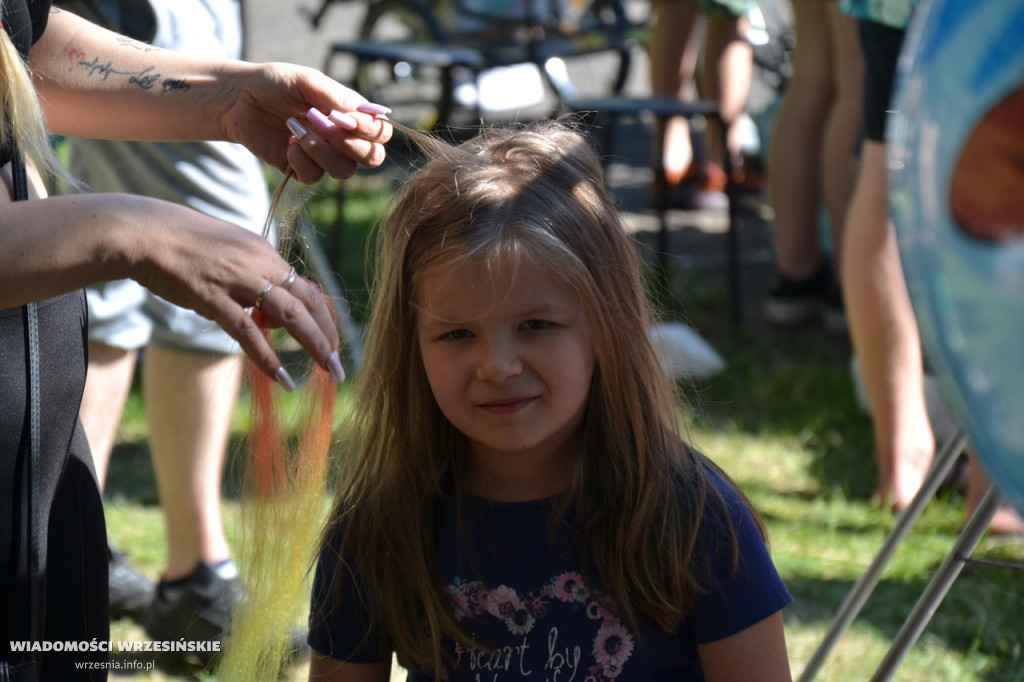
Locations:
884 334
107 384
794 155
189 401
674 50
842 134
728 74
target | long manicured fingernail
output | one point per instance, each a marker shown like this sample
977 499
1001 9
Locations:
284 378
334 368
320 121
343 120
297 128
373 109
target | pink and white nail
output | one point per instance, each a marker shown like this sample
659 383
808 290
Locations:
343 120
320 121
373 109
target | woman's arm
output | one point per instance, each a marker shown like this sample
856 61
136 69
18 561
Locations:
95 83
51 246
325 669
757 653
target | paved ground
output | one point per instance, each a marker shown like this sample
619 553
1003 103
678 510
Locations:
280 30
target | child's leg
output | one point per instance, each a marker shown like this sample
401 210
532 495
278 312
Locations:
846 119
794 154
674 51
885 337
728 74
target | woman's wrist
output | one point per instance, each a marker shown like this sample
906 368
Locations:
126 241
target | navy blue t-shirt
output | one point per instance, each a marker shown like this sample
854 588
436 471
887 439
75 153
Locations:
535 618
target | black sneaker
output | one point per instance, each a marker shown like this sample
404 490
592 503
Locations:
793 302
196 608
130 591
200 608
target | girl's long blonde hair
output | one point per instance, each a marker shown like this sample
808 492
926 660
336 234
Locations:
21 117
535 194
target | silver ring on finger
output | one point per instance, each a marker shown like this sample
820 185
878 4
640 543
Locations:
263 294
288 281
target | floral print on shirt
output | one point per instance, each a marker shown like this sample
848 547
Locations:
524 614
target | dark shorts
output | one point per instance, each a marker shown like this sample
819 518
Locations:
881 45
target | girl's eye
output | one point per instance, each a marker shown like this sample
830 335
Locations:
536 325
456 335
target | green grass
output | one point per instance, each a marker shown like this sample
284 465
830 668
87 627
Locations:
783 422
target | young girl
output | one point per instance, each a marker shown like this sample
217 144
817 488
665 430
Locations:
517 502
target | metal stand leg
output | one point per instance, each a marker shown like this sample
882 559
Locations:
863 588
732 237
939 586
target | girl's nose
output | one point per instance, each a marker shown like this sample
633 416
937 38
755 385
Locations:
499 361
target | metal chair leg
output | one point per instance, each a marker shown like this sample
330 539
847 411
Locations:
936 591
866 584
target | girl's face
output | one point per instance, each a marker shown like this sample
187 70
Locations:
510 362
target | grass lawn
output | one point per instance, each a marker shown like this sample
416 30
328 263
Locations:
782 420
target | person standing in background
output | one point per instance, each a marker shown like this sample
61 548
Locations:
883 327
882 324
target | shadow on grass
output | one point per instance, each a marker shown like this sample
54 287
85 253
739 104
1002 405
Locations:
977 616
797 383
130 475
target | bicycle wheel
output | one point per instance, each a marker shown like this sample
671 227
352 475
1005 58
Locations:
419 94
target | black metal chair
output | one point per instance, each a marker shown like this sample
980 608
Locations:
424 60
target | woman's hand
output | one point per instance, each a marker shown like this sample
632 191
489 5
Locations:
224 273
298 118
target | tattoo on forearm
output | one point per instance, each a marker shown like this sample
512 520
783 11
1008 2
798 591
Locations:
175 84
134 44
145 79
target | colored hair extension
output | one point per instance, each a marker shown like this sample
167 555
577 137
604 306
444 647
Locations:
284 476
